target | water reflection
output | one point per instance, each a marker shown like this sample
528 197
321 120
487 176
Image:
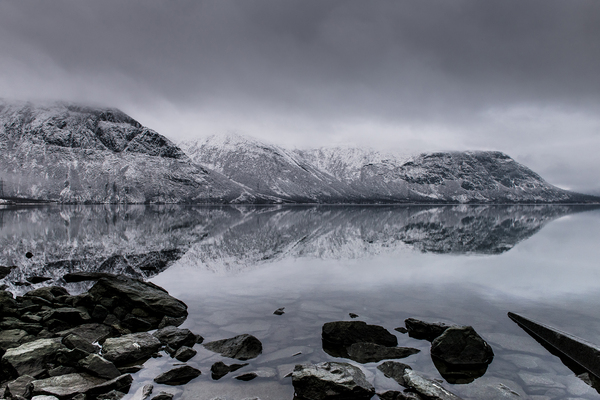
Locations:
142 241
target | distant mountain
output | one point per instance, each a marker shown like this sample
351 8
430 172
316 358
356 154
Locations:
66 153
352 175
71 154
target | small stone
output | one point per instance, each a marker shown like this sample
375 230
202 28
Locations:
242 347
37 279
178 376
131 369
352 315
147 390
401 329
246 377
424 330
163 396
175 337
184 353
279 311
371 352
29 254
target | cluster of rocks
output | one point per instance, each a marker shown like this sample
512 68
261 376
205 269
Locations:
86 346
458 352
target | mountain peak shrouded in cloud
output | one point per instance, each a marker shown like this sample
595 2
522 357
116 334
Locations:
510 75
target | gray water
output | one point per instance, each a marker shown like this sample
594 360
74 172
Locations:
233 266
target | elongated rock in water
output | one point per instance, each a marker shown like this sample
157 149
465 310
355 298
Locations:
583 353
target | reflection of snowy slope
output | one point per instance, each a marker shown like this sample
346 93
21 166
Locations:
142 241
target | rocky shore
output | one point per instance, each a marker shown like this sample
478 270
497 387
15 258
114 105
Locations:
54 345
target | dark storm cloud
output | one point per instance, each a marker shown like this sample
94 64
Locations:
439 71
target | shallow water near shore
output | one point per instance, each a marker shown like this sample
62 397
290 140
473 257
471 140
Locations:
234 266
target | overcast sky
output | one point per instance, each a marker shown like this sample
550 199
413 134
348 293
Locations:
519 76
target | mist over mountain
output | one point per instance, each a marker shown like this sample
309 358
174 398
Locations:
66 153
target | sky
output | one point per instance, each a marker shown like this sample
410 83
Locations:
518 76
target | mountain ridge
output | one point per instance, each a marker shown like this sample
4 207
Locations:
69 153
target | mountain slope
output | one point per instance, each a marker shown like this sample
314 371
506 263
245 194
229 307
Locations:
268 170
71 154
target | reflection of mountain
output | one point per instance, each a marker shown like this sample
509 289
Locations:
144 240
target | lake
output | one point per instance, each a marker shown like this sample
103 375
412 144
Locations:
235 265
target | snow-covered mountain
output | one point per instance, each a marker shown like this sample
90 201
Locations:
352 175
66 153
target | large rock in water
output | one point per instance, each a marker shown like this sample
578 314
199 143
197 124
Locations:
331 381
424 330
178 376
462 346
242 347
141 298
372 352
338 336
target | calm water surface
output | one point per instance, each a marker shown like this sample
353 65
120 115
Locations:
233 266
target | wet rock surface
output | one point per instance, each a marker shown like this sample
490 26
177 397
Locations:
178 376
220 369
426 387
176 338
331 380
128 349
346 333
462 346
424 330
371 352
241 347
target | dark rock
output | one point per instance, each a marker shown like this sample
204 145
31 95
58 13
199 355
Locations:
48 293
184 353
112 395
424 330
394 370
29 254
61 371
352 315
171 321
130 348
132 293
120 384
114 322
371 352
70 315
147 391
4 271
395 395
331 380
86 276
33 356
70 357
220 369
462 346
427 388
248 376
178 376
99 366
21 386
136 324
8 305
99 313
401 329
73 341
241 347
37 279
15 323
279 311
163 396
175 337
459 374
91 333
345 333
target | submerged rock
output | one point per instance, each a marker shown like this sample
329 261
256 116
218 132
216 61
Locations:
427 388
371 352
178 376
241 347
184 353
331 380
424 330
130 348
346 333
220 369
462 346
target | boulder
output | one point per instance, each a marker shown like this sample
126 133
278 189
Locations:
130 348
12 338
371 352
394 370
178 376
427 388
121 384
21 386
184 353
241 347
33 356
99 366
73 341
175 337
346 333
462 346
71 357
91 333
424 330
128 293
331 380
15 323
